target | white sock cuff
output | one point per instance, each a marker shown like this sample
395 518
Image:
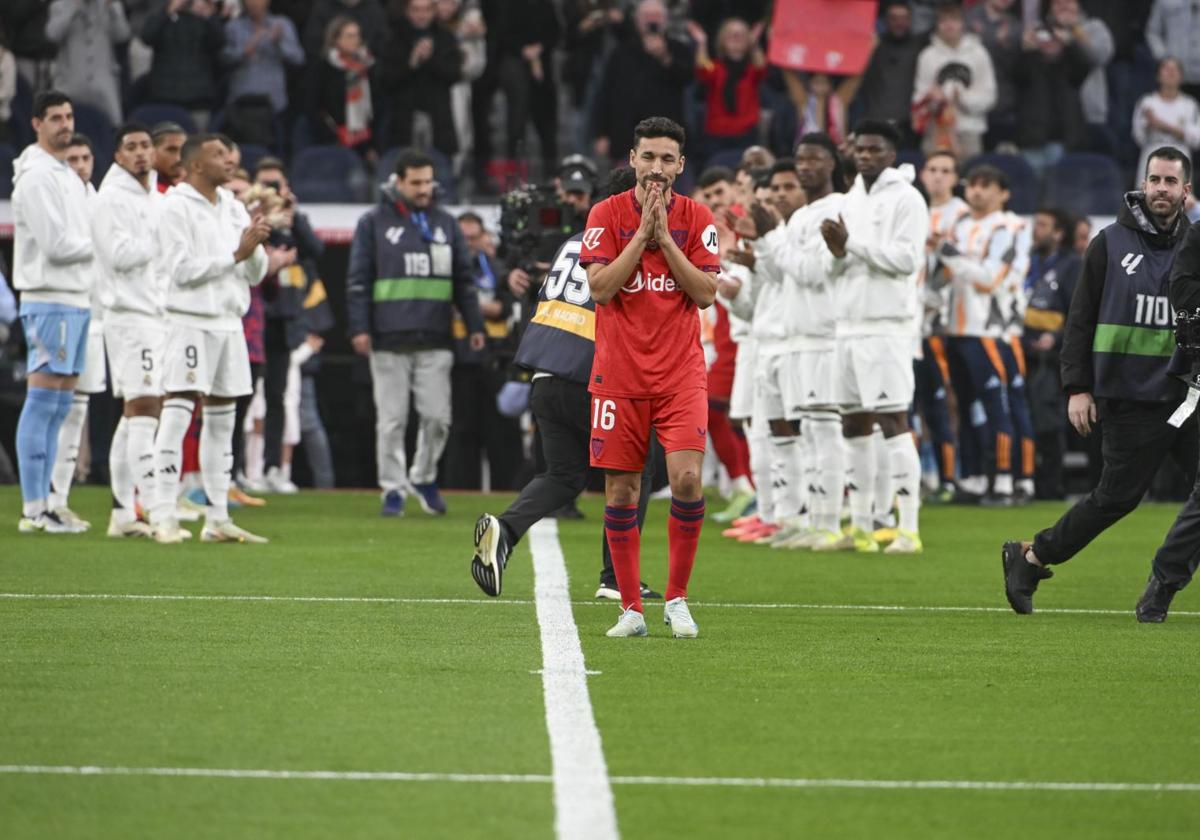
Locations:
178 404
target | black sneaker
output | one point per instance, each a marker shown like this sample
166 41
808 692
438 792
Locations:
1021 578
1155 601
608 591
997 500
491 554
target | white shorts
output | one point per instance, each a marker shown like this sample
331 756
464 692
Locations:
874 373
777 388
215 364
135 354
93 380
741 399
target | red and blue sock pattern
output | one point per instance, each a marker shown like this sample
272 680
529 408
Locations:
683 536
625 543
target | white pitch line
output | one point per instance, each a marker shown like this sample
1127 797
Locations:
650 781
583 798
518 602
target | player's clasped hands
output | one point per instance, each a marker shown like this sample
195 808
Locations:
648 229
252 236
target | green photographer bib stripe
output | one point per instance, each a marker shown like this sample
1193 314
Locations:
412 288
1133 341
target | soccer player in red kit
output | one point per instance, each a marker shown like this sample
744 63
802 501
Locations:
652 258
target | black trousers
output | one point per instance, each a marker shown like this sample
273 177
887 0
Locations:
562 410
1136 439
275 374
477 426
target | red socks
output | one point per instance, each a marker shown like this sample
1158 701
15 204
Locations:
683 535
625 544
730 445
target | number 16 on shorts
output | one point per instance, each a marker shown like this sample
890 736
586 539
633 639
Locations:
604 414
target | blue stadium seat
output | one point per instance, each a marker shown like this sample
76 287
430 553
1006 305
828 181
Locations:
912 156
22 112
7 155
251 155
98 128
730 158
329 175
1085 183
1022 181
153 113
443 172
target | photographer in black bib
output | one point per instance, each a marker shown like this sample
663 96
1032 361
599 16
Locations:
1115 357
557 347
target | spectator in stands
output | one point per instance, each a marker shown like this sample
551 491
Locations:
887 82
34 51
88 33
1167 117
478 428
369 14
259 46
466 24
730 79
8 84
1049 284
710 14
1049 75
647 74
186 36
1070 25
525 37
341 108
422 64
954 89
591 28
819 105
1081 235
996 24
1171 31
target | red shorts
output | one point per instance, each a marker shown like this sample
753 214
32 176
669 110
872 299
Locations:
621 427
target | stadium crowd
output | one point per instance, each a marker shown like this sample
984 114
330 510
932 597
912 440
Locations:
965 116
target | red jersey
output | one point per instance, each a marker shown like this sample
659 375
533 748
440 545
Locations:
648 335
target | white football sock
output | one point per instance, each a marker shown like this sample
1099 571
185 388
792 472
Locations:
884 494
825 429
139 452
760 468
787 473
906 472
69 438
121 474
1003 485
168 455
860 480
216 459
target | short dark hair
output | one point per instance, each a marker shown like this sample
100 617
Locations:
659 127
48 99
269 163
949 7
879 128
195 142
1062 220
820 138
987 174
78 139
412 159
946 153
125 129
1171 153
784 164
714 175
166 129
470 216
621 180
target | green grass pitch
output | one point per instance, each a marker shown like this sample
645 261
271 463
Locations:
791 692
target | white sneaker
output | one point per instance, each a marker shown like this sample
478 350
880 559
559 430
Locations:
631 623
254 485
678 617
906 542
72 519
804 539
133 528
226 531
277 482
51 523
188 511
832 541
30 525
608 593
168 532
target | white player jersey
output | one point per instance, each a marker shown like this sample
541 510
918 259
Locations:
987 262
935 292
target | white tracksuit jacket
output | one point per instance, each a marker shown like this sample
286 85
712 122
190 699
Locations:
875 284
125 232
205 287
52 248
804 309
